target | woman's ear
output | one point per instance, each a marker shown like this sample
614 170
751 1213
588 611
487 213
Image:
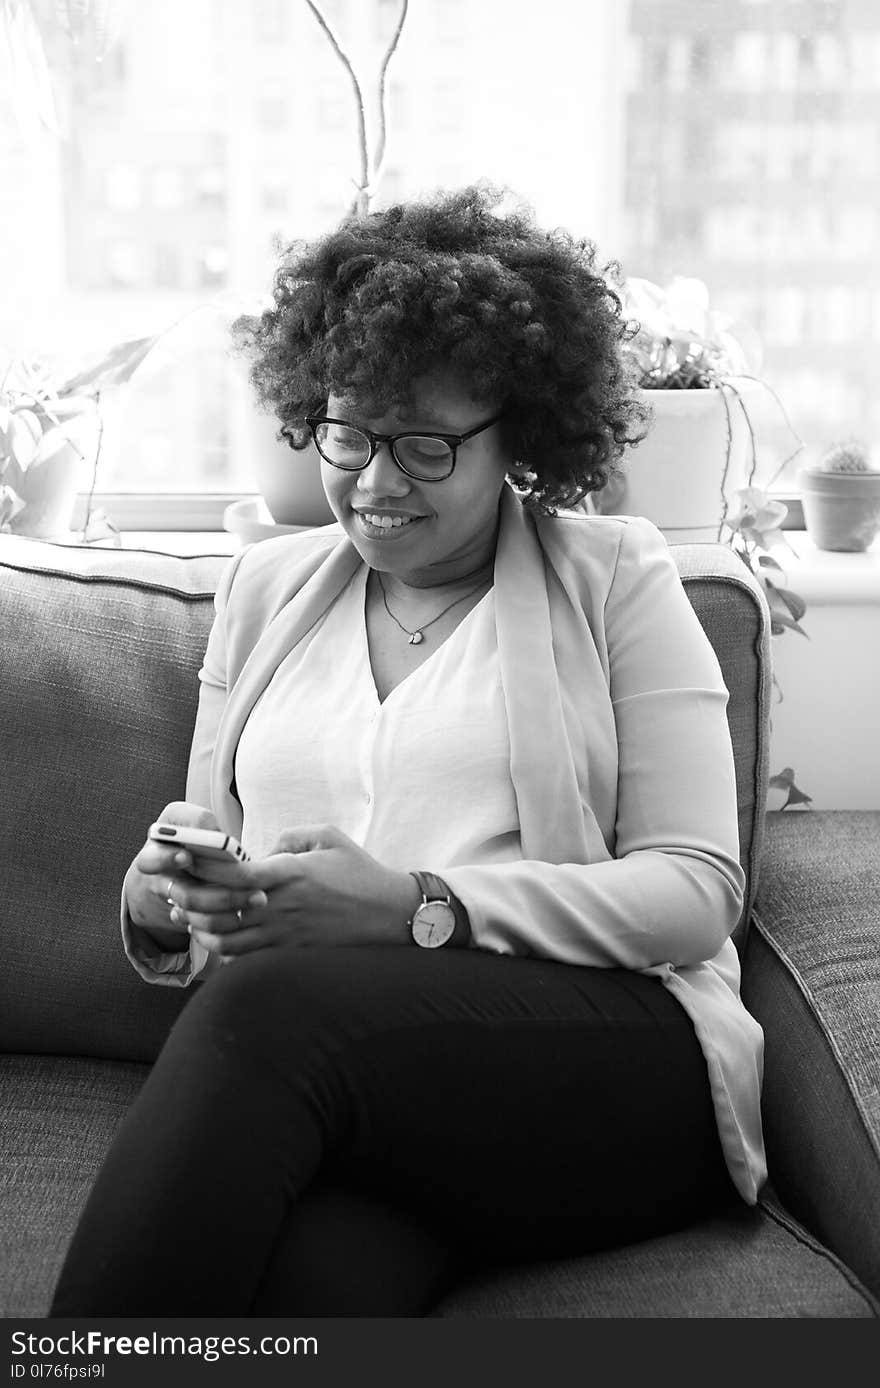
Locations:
521 474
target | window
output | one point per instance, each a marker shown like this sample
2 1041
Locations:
168 265
735 140
333 108
274 191
273 108
167 185
123 188
123 265
270 20
213 264
701 60
784 319
678 62
210 187
748 70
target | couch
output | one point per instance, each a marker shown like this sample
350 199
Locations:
99 651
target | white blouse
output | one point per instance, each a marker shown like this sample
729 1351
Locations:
419 780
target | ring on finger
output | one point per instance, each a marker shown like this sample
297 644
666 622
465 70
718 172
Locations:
168 897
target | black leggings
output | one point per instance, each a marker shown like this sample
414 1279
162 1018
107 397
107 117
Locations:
337 1131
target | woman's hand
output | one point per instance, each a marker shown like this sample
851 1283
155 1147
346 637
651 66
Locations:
320 888
161 870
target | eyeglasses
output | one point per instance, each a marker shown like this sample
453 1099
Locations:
424 457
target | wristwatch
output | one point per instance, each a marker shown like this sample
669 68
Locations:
440 919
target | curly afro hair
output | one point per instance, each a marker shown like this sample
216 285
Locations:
520 316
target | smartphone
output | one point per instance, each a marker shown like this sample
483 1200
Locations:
203 843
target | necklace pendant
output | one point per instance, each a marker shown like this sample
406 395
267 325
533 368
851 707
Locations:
416 638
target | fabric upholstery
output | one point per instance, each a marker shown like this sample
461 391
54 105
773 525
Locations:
99 653
812 979
60 1115
733 611
754 1262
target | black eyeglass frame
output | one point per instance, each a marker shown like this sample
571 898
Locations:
453 442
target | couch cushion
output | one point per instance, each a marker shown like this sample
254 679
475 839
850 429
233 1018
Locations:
58 1118
753 1262
811 977
60 1114
99 653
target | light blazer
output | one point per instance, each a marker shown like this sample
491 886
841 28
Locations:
620 759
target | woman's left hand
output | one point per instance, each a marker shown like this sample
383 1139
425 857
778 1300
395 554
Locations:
321 888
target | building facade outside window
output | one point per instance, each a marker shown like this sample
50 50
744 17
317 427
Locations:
737 141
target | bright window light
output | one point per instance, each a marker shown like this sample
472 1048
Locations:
151 168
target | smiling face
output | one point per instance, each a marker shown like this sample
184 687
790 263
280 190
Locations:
449 527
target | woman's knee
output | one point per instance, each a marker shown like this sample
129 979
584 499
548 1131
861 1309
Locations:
271 1002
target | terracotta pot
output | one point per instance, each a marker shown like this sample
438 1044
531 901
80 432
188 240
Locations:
680 476
841 509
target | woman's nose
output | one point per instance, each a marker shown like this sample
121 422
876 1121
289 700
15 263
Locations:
382 476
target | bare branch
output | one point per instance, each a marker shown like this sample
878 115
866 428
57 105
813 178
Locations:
379 156
347 64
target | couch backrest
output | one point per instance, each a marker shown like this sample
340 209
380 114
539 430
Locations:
99 654
99 657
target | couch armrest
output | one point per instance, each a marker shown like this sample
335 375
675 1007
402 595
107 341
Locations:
811 977
732 609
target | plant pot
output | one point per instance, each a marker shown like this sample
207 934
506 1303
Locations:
682 476
289 479
251 520
841 509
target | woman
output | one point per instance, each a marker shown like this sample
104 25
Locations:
455 719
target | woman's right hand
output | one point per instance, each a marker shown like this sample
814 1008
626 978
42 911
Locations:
154 870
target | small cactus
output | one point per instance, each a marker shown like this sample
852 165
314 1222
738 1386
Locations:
850 456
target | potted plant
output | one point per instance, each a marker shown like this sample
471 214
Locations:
50 441
44 437
698 373
755 530
290 481
841 498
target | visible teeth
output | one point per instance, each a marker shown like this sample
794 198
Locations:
387 522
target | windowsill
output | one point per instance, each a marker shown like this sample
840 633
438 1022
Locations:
819 576
182 542
824 576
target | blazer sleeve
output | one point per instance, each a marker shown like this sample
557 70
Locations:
213 687
179 969
673 891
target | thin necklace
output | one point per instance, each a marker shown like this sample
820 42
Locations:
416 637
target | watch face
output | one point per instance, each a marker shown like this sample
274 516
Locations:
433 924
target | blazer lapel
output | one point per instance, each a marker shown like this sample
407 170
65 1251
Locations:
541 763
